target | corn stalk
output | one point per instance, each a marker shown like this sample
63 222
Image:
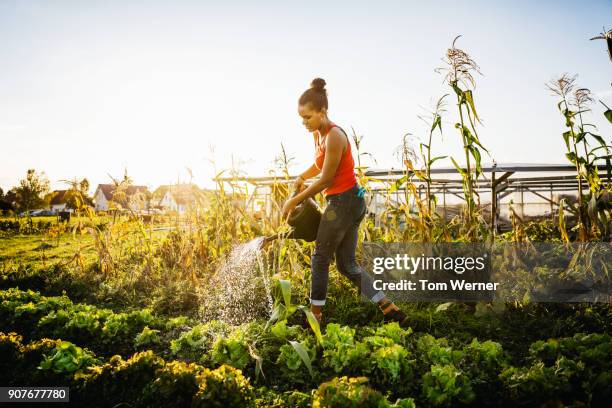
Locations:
458 69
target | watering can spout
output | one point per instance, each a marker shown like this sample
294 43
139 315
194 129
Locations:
267 240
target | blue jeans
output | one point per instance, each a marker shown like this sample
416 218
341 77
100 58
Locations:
338 234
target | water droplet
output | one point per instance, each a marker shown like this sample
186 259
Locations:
240 290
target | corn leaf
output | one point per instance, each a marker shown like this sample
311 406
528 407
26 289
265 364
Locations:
258 362
566 136
435 159
303 353
600 139
276 314
592 207
421 146
437 123
470 100
559 107
421 175
562 229
602 217
314 323
472 139
458 91
285 286
398 184
443 306
461 171
477 158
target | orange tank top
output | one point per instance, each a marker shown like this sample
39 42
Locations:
344 179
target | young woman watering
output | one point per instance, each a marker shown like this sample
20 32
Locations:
338 230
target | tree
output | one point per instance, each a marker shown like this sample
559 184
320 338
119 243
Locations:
84 186
84 192
31 191
78 194
10 198
5 202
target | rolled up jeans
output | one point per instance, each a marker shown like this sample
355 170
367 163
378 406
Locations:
337 235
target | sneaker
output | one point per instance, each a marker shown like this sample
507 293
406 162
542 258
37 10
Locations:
396 315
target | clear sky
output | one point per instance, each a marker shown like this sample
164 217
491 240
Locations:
88 88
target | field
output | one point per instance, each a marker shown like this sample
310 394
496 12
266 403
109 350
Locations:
125 314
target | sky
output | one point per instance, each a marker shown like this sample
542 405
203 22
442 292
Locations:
91 88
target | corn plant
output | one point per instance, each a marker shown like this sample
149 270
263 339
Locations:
422 225
362 178
280 314
598 191
574 102
606 35
563 87
433 121
280 187
458 70
357 140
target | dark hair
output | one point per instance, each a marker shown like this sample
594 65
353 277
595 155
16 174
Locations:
316 95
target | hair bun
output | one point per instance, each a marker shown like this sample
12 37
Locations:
318 84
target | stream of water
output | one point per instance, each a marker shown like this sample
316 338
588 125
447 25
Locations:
240 291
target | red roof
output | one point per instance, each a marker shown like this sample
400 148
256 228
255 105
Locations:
109 189
59 197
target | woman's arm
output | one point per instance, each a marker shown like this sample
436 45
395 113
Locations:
335 144
310 172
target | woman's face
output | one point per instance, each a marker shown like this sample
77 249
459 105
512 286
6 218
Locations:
311 118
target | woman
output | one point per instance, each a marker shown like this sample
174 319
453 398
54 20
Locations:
338 230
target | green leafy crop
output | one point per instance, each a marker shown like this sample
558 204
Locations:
67 358
445 385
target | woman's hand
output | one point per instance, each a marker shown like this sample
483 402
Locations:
298 184
288 207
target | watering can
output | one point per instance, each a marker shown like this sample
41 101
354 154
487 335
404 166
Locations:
305 221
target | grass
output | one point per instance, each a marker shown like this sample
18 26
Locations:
37 251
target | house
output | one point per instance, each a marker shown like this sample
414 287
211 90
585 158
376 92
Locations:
58 202
178 197
109 196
